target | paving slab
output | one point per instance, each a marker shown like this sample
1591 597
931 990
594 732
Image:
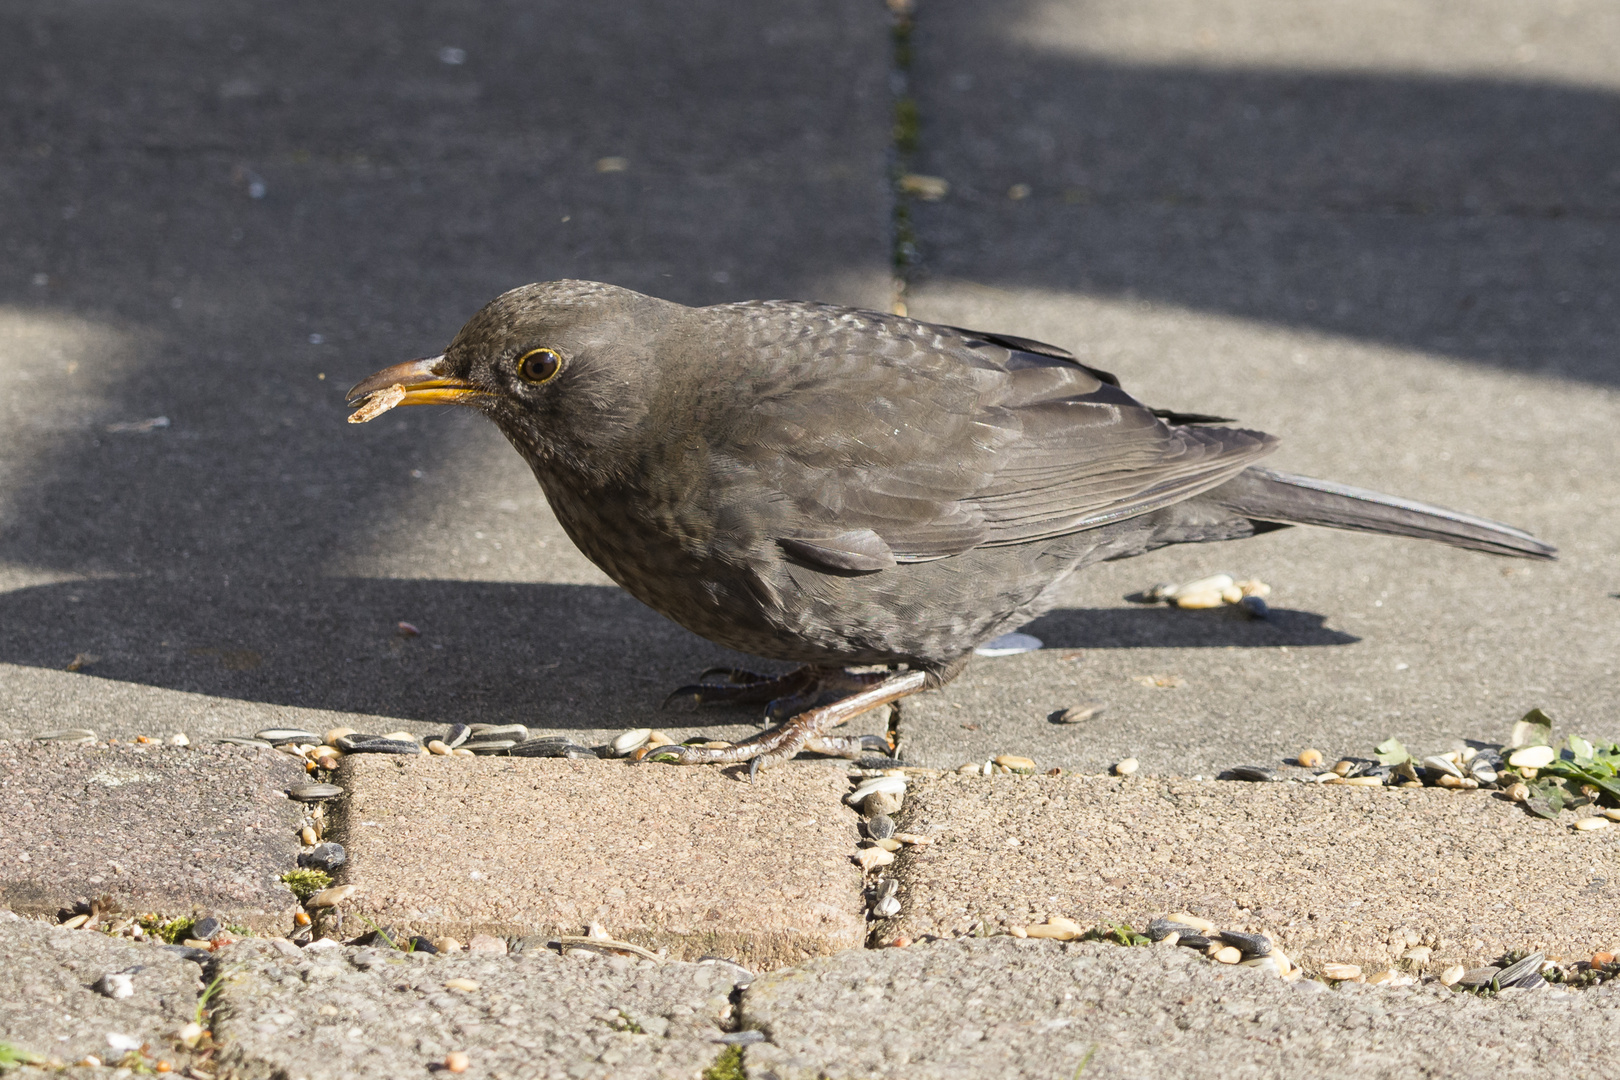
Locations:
688 859
1330 873
1000 1007
1393 249
49 1006
264 205
166 829
343 1013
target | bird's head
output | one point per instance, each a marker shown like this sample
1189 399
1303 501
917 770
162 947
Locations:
563 368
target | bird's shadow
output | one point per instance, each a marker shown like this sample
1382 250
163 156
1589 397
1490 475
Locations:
556 656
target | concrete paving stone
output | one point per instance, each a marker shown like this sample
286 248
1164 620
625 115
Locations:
234 212
962 1010
1396 255
688 859
348 1013
49 1007
157 828
1354 875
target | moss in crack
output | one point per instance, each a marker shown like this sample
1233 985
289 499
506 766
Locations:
728 1066
306 883
907 125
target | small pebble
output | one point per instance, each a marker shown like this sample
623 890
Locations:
457 1061
881 803
1255 607
1310 758
1227 955
190 1034
179 738
330 897
116 985
1452 975
1341 972
1446 780
1532 757
972 768
1079 714
1587 824
314 792
206 928
1126 767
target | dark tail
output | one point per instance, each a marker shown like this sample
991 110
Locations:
1266 495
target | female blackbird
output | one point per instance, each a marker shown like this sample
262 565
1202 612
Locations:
841 487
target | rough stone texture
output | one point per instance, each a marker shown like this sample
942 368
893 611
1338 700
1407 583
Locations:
685 858
1382 232
1039 1009
48 1007
158 828
258 549
353 1013
1330 873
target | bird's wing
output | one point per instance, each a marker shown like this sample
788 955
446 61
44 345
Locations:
875 432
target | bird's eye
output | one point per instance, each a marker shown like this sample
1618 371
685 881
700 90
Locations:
539 365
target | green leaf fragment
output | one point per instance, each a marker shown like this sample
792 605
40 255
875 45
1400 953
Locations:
1580 748
1391 752
1534 728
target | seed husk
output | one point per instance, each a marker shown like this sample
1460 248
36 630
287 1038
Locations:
1249 944
282 736
1532 757
1077 714
1126 767
330 897
1310 758
67 735
314 792
1452 975
1187 918
1341 972
1587 824
1252 773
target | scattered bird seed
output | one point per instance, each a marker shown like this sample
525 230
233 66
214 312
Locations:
874 857
878 785
880 827
455 735
634 739
382 745
464 985
437 746
515 732
553 746
1480 976
1253 773
1187 918
488 746
1199 601
1021 765
1310 758
1452 975
1126 767
1532 757
314 792
327 857
913 839
1341 972
116 985
331 737
1587 824
1255 607
1193 941
1276 965
243 740
1226 955
1161 928
67 735
330 897
1419 955
457 1061
1441 766
1248 944
1525 973
206 928
1519 792
282 736
1079 714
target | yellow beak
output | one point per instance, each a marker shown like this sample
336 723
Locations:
422 382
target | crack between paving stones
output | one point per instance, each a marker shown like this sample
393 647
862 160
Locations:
903 137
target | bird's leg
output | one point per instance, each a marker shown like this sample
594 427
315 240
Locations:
808 730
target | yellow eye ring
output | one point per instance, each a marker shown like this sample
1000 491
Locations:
539 365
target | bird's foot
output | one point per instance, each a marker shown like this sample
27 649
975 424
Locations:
806 731
783 695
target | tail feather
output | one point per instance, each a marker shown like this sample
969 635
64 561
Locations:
1267 495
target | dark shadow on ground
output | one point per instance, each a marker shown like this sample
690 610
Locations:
1169 628
555 656
1473 217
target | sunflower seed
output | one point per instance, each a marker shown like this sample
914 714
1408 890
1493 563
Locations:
69 735
515 732
382 745
634 739
1254 773
1522 973
1249 944
1480 976
1161 928
1077 714
880 827
314 792
878 785
1439 766
551 747
488 746
280 736
1194 941
243 740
